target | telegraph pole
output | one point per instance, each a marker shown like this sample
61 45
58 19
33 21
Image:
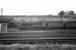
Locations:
1 11
3 22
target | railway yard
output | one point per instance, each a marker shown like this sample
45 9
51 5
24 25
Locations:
54 35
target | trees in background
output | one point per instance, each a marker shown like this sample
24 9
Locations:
67 14
71 13
3 19
62 13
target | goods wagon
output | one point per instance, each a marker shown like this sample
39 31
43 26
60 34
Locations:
49 25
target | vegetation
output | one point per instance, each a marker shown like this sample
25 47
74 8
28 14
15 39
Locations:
22 24
38 47
67 14
10 22
61 13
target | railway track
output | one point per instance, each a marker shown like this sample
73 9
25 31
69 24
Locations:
39 36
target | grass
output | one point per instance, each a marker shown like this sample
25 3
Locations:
37 47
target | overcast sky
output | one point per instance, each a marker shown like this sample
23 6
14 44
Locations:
36 7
